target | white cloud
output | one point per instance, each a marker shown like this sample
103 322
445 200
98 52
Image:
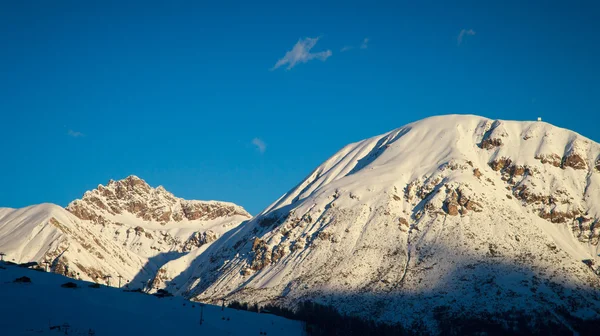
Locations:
300 53
346 48
365 43
462 34
261 146
75 134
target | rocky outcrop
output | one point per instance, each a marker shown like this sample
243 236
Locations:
574 161
493 137
554 206
457 203
451 208
500 163
197 239
576 155
556 216
278 253
490 143
586 229
262 255
523 193
551 159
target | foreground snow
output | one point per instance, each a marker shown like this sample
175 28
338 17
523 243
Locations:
32 308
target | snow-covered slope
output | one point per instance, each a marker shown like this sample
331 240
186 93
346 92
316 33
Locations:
42 306
457 212
126 229
47 232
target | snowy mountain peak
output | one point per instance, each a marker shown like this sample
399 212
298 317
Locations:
459 212
133 196
129 183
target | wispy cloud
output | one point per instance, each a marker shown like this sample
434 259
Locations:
365 43
300 53
462 34
261 146
75 134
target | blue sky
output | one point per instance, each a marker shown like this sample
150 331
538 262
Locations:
204 98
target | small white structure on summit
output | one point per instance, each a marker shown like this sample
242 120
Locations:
539 118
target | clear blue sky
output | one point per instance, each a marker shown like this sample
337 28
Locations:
176 93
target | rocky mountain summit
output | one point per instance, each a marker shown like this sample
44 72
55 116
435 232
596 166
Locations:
134 196
457 215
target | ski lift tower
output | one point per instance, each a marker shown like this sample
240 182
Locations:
201 313
120 277
2 254
46 263
108 279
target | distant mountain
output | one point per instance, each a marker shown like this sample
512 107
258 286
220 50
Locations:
449 216
125 228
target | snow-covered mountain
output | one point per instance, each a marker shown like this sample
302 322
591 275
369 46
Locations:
455 214
44 306
125 228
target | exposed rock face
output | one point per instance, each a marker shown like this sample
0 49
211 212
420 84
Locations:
133 195
574 161
493 137
587 229
491 143
262 255
500 164
452 208
573 158
457 202
576 155
197 239
552 159
556 216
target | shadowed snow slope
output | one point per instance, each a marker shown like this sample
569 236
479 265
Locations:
33 308
452 211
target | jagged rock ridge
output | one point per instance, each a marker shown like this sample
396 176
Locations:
135 196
